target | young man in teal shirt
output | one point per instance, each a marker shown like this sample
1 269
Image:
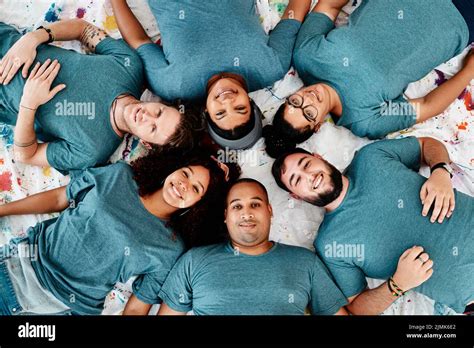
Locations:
380 209
250 275
359 72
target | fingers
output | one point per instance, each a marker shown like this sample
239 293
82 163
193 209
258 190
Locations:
6 71
35 70
26 67
424 257
423 193
42 68
406 253
414 252
52 67
56 90
427 203
428 265
452 204
444 210
437 208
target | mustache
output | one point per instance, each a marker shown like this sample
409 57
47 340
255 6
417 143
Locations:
251 221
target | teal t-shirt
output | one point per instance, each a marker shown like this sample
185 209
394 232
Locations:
203 38
380 218
76 122
105 237
217 280
370 62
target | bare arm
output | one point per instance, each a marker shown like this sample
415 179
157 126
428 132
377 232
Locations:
136 307
129 26
440 98
414 268
23 52
437 191
35 93
330 8
42 203
166 310
297 9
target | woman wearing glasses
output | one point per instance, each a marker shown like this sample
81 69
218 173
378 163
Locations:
358 73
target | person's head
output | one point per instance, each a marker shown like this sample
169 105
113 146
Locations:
163 125
191 182
297 119
248 213
234 120
308 177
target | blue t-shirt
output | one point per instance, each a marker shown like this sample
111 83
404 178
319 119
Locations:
105 236
203 38
217 280
370 62
380 217
76 122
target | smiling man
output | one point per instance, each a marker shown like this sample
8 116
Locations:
381 204
250 275
108 82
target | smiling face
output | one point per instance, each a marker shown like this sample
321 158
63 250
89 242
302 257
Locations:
314 102
186 186
248 214
311 178
228 104
154 123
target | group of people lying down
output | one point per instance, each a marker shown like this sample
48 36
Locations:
193 234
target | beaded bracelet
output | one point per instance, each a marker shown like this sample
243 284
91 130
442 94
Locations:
394 288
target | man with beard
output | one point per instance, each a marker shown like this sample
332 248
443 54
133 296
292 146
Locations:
380 206
250 275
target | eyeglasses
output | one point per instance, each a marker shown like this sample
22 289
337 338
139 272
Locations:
309 111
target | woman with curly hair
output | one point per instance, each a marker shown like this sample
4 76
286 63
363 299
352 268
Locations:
116 222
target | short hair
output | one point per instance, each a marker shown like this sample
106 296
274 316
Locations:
279 166
249 181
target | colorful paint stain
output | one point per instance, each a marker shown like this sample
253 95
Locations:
80 12
110 24
53 13
6 181
47 171
468 101
462 125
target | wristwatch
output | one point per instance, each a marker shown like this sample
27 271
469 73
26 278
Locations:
50 34
445 166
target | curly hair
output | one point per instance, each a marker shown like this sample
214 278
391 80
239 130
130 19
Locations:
203 223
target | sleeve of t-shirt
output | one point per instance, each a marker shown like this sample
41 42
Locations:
80 184
64 157
156 64
326 297
147 286
314 29
125 55
177 291
350 278
392 116
282 40
406 151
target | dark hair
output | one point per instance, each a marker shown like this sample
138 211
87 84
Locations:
282 136
236 133
279 165
189 130
250 181
203 223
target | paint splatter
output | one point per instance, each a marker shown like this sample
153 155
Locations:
2 161
468 102
47 171
441 77
53 13
110 24
462 125
6 181
80 12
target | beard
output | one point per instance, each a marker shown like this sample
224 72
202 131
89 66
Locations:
332 193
